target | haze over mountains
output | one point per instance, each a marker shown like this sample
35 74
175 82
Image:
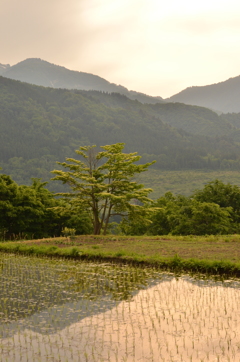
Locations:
40 125
39 72
221 97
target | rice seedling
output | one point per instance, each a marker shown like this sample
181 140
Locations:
66 310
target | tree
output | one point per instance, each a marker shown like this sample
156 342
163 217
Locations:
180 215
19 208
209 218
225 195
107 188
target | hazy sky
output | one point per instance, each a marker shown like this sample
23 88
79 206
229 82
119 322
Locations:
153 46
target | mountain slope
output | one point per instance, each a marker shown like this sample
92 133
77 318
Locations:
39 72
232 118
223 96
192 119
39 126
4 68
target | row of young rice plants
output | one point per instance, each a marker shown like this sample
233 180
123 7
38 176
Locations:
66 310
141 252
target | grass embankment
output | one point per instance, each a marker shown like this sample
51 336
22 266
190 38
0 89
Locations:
211 254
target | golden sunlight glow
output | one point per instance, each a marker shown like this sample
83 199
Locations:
151 46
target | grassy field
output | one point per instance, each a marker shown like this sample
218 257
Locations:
184 182
213 254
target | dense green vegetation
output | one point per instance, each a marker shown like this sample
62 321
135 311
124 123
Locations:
39 126
192 119
30 212
198 217
213 210
233 118
33 212
101 183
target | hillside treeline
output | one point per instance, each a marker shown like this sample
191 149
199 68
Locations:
215 209
39 126
32 212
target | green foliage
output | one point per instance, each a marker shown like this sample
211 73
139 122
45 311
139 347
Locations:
102 184
138 223
209 218
231 118
224 195
32 211
192 119
41 125
210 211
68 231
181 215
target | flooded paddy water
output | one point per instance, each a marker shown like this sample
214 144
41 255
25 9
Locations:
63 310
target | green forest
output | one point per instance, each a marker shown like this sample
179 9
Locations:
39 126
190 147
215 209
101 186
33 212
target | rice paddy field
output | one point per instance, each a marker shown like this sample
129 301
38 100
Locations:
75 310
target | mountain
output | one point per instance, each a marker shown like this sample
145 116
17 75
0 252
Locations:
231 118
39 72
39 126
223 96
192 119
4 68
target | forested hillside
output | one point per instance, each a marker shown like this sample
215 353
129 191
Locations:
39 126
232 118
221 97
193 119
39 72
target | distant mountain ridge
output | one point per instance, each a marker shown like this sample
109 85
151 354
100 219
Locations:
40 72
4 68
223 96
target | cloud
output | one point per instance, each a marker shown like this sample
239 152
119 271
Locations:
148 45
39 28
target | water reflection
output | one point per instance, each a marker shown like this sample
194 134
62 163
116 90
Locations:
34 292
101 312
